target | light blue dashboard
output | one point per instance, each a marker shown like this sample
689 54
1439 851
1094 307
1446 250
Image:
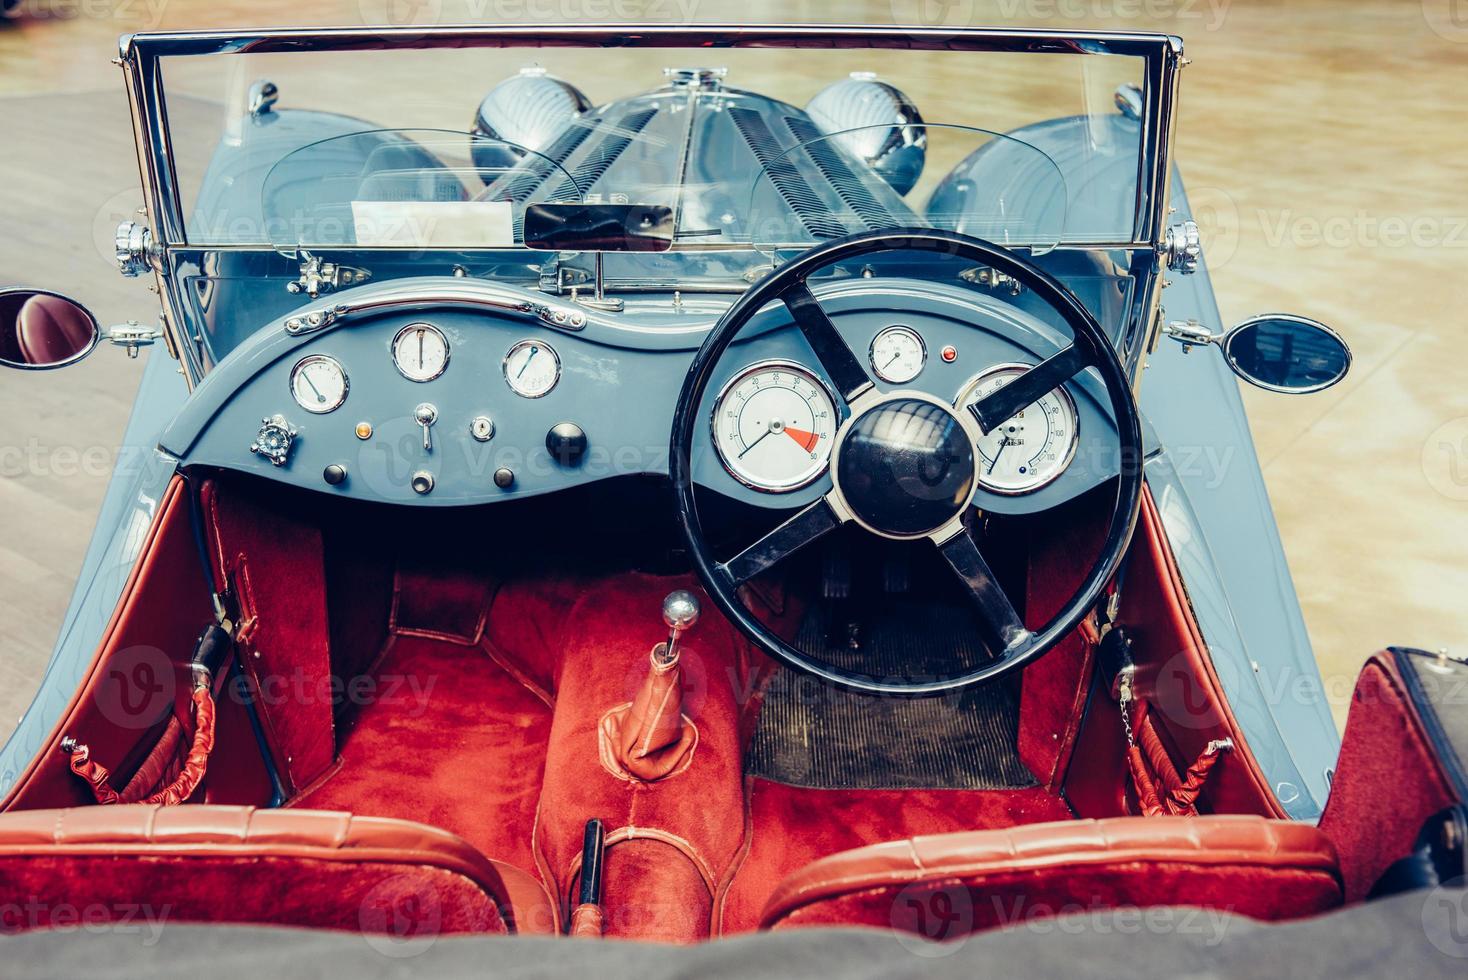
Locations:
620 379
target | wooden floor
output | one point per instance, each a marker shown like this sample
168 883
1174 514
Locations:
1322 140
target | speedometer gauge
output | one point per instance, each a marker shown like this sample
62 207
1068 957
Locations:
773 427
1031 449
318 384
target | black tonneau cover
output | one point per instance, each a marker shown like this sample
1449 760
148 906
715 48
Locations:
1416 935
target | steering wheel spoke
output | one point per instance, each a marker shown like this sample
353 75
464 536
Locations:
808 525
999 407
830 349
1008 635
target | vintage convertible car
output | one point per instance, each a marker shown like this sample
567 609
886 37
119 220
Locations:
665 484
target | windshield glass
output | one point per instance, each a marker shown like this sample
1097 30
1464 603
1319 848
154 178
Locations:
750 148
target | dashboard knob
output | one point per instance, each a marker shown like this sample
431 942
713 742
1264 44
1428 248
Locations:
422 482
504 478
275 439
567 443
335 474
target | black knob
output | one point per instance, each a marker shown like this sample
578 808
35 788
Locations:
335 474
566 442
503 478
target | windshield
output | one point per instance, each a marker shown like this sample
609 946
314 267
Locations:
750 148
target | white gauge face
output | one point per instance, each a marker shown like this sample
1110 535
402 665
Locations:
773 427
319 384
420 351
898 354
532 368
1031 449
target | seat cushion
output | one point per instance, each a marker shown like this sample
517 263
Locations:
244 865
950 884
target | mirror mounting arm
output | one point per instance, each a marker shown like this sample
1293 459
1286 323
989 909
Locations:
132 337
1190 333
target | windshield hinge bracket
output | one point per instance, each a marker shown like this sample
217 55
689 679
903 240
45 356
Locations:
320 276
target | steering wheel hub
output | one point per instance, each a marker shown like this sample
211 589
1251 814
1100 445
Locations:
905 467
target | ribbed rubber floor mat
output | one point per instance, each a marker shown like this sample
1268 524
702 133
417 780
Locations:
816 736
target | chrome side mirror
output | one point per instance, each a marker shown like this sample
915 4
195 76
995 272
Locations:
41 330
1278 352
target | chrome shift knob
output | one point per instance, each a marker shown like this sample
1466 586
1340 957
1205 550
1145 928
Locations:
680 612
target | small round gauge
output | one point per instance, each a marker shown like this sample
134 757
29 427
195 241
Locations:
420 351
319 384
532 368
773 427
898 354
1031 449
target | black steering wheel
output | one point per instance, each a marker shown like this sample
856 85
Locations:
904 464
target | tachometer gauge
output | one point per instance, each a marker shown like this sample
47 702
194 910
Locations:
420 351
773 427
532 368
319 384
1031 449
898 354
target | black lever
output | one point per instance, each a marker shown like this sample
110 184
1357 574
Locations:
593 847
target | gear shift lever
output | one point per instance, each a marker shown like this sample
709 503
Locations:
680 612
650 738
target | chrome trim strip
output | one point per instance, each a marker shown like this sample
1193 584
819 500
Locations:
466 295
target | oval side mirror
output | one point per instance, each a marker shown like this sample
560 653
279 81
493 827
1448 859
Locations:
1285 353
40 330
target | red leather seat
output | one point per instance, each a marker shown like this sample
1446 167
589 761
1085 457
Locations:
242 865
947 885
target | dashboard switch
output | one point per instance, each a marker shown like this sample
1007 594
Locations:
422 482
504 478
567 443
425 415
335 474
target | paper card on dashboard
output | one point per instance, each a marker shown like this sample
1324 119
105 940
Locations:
423 224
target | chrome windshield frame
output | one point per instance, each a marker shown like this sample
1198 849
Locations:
139 55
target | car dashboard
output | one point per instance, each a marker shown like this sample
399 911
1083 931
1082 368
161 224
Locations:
454 392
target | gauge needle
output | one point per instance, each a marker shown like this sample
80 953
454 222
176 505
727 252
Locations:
420 347
319 396
893 359
995 461
805 440
761 439
533 352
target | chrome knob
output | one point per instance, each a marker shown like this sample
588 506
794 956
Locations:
134 246
680 612
275 439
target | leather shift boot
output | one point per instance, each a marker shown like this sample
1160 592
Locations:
650 738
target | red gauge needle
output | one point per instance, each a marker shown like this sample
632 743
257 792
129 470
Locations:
806 440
